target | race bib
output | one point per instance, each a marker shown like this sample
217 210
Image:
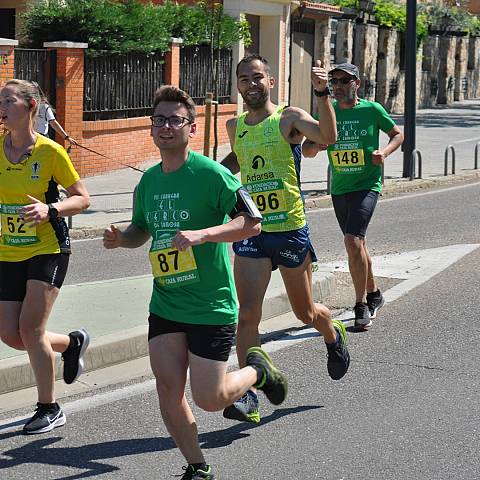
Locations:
270 200
171 267
348 161
14 231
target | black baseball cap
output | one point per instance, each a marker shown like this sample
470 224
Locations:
347 68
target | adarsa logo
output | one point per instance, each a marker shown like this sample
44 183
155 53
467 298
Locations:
260 176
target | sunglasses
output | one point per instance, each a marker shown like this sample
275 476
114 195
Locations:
343 80
175 121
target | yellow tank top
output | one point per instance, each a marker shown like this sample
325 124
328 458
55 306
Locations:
39 176
270 171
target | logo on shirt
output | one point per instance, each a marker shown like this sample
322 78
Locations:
243 134
258 159
35 170
267 131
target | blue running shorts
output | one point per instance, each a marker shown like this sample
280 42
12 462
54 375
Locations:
288 249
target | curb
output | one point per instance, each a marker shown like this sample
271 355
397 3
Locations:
127 345
395 188
322 200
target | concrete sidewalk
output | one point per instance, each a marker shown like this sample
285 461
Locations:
118 328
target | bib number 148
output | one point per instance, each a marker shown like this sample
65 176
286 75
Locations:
344 158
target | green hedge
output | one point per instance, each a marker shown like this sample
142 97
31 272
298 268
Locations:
129 26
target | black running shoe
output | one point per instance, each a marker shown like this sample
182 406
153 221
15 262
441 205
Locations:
273 384
47 417
362 316
375 301
338 356
198 474
245 409
73 356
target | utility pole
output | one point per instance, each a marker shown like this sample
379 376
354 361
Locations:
410 87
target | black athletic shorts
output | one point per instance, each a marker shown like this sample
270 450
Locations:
354 211
213 342
48 268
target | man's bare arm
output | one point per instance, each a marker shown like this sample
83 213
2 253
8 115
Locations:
131 237
230 161
396 139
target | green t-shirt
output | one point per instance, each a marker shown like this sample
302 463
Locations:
351 156
195 286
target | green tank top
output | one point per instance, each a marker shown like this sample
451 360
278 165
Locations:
270 171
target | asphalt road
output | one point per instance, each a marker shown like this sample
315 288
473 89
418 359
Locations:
399 224
407 409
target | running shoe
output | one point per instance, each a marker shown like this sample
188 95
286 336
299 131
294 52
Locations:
338 356
73 356
273 383
362 316
245 409
47 417
198 474
375 301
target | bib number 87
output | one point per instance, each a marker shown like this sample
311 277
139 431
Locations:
265 201
164 263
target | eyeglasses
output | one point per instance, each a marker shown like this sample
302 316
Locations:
343 80
174 121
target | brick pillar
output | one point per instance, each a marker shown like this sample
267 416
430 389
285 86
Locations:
70 92
172 63
7 56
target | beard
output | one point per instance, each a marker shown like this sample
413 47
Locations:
256 103
349 95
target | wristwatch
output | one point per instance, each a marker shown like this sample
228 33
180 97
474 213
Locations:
52 212
322 93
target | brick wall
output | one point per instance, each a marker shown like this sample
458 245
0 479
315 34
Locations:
6 60
128 141
123 141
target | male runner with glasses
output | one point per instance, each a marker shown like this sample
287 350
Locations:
356 163
266 143
182 203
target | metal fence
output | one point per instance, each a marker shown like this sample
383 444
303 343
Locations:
121 86
38 65
197 72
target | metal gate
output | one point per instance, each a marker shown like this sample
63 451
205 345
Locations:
40 66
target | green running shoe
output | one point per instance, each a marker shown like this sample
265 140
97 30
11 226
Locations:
338 356
199 474
245 409
273 383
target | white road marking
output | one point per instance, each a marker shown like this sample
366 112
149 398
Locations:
414 268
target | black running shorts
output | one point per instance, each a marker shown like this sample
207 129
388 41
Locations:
48 268
213 342
354 211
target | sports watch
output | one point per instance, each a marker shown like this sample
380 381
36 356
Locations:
322 93
52 212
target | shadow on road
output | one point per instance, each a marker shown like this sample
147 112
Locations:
89 457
